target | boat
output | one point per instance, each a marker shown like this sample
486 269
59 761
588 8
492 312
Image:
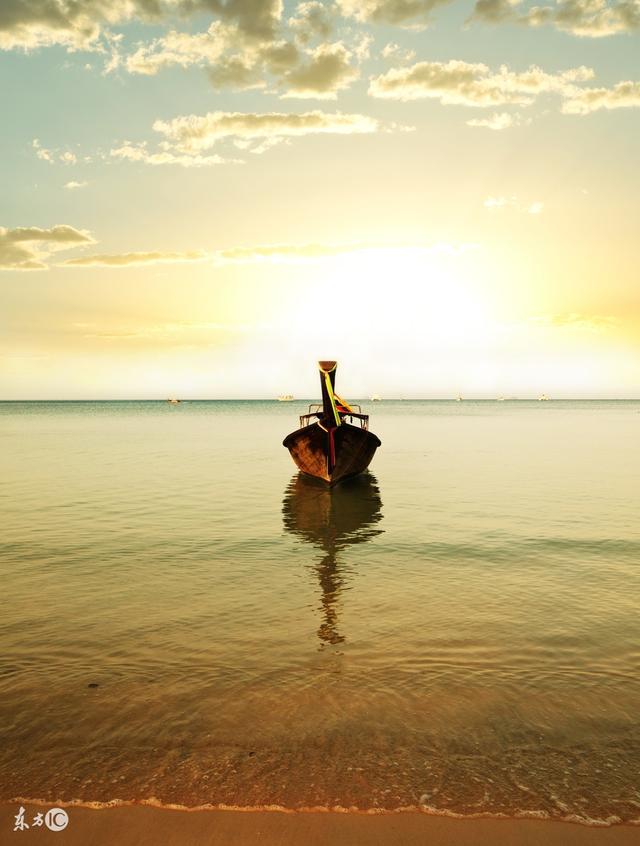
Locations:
333 442
458 398
376 398
285 398
173 401
543 398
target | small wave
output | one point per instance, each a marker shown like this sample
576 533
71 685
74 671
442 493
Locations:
152 802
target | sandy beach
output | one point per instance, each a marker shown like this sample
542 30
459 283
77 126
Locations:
142 825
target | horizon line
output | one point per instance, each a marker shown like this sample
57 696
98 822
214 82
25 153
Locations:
314 399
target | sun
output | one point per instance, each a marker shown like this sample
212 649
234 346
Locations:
395 294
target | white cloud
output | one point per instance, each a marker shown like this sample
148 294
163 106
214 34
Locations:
495 204
27 248
473 84
391 50
312 19
624 95
497 121
586 18
139 258
66 157
409 13
575 321
139 153
30 24
192 134
182 49
326 71
303 253
42 152
186 141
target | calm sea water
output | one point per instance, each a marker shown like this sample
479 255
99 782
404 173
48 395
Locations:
185 619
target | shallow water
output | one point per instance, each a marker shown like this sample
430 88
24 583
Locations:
457 630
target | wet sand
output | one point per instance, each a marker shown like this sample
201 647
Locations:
149 826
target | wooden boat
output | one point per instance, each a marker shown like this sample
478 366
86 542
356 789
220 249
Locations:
329 444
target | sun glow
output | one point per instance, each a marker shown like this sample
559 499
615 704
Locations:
398 296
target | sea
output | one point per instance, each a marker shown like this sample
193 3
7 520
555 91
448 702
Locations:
187 621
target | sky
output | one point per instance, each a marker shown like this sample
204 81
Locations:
200 198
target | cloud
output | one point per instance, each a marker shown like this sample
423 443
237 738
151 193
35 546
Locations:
231 59
186 141
242 48
52 156
30 24
408 13
255 18
302 253
27 24
240 72
497 121
575 321
466 84
624 95
139 152
326 71
318 72
42 242
179 334
586 18
494 204
191 134
271 253
181 49
73 186
42 152
391 50
284 253
128 259
312 19
26 248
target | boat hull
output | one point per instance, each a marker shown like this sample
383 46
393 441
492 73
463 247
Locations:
353 449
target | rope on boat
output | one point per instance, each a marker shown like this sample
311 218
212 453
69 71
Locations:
343 403
332 399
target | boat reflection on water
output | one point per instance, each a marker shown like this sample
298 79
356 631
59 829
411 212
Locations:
332 518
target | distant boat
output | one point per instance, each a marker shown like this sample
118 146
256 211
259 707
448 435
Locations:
458 398
376 398
500 399
285 398
543 398
328 445
173 401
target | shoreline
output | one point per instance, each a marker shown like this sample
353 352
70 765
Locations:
222 807
139 824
